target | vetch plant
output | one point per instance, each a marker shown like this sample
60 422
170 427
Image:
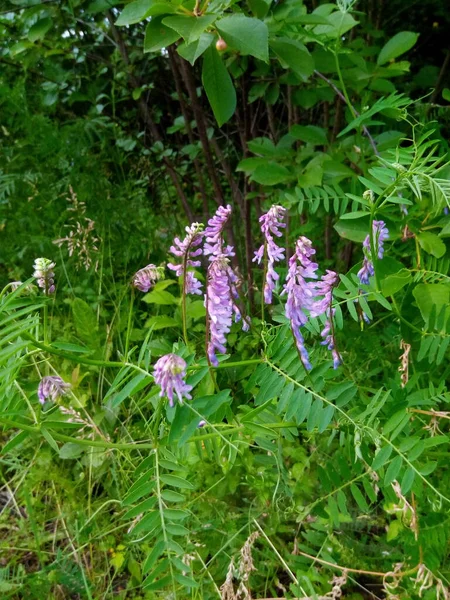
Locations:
170 375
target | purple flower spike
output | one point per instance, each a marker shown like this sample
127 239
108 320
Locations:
188 250
271 223
43 271
300 293
221 304
146 278
324 288
52 387
328 340
214 234
381 234
170 373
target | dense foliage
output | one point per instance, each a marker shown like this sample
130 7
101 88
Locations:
227 378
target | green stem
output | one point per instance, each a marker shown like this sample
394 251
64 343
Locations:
344 89
129 325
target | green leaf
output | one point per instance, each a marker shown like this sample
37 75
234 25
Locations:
381 457
428 295
270 174
50 439
310 134
393 470
135 12
176 529
353 229
70 450
399 44
158 36
446 94
190 28
155 553
407 480
339 23
392 284
85 321
171 496
161 322
39 29
431 243
160 297
359 498
191 52
218 86
186 581
177 482
294 55
15 441
245 34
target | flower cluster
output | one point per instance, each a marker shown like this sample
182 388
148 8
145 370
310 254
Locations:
43 271
170 373
222 295
300 292
214 234
52 387
271 223
306 295
188 250
381 234
146 278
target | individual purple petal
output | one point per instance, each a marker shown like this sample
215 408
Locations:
170 373
52 387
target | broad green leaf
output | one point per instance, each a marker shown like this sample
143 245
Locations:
171 496
218 86
186 581
393 470
160 297
70 450
50 439
245 34
431 243
85 321
428 295
271 173
311 134
177 482
161 322
391 284
353 229
359 498
293 55
191 52
158 35
407 480
147 523
142 507
135 12
176 529
190 28
155 553
399 44
39 29
339 23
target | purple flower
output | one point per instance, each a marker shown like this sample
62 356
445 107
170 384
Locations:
146 278
52 387
220 302
381 234
214 234
170 373
324 288
188 250
300 293
329 341
270 226
43 271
